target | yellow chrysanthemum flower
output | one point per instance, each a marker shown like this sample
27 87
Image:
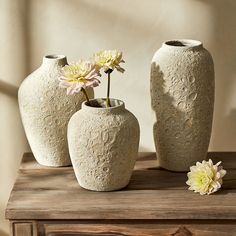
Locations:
82 74
205 177
109 59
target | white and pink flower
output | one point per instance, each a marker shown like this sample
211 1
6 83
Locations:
83 74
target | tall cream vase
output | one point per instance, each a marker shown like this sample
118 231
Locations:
103 145
182 92
45 111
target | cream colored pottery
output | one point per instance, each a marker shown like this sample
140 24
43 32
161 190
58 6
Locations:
45 111
182 93
103 145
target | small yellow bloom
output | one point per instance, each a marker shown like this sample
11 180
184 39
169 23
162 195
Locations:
82 74
205 177
109 59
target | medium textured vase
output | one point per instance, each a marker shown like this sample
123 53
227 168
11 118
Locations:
45 111
182 94
103 145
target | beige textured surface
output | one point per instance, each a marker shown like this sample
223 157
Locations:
182 91
45 110
103 145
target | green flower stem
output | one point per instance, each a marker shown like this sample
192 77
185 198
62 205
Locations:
108 102
86 95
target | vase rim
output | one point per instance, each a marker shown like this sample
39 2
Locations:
183 43
54 57
117 105
54 60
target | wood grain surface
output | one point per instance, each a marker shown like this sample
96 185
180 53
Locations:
21 229
141 229
153 193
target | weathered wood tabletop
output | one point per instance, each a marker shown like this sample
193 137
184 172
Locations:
153 194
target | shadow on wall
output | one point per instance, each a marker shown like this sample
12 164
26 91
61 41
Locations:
27 39
8 89
230 121
223 48
121 19
3 233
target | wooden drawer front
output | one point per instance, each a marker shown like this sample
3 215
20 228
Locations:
163 229
21 228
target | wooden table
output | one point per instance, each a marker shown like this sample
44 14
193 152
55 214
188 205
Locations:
49 201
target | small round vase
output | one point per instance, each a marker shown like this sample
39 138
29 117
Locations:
103 145
182 93
45 111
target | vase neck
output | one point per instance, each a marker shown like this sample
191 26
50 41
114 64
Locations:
54 60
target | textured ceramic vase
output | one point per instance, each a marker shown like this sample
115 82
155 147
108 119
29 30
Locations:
103 145
182 93
45 111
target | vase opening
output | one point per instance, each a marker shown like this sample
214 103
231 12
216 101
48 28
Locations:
100 104
55 56
54 60
182 43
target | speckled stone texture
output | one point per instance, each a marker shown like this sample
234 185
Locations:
45 111
182 93
103 145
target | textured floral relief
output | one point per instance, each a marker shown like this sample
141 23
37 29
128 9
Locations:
111 151
45 112
182 92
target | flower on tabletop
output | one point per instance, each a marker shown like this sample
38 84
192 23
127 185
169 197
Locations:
109 60
80 75
205 177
